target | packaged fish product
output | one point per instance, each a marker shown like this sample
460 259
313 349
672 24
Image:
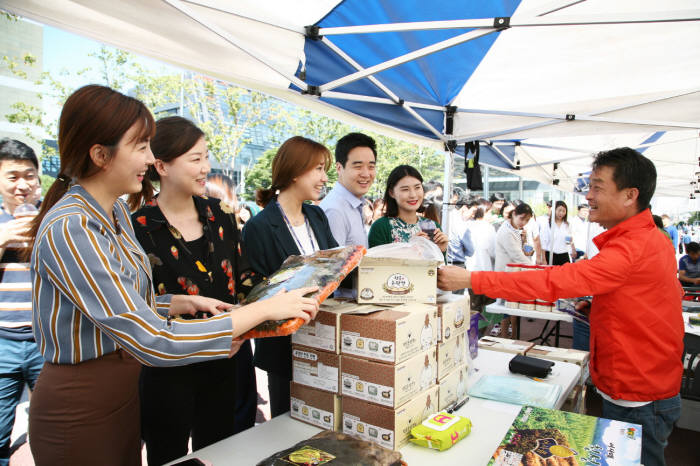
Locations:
325 269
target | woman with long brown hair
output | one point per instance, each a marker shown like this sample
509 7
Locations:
287 226
95 311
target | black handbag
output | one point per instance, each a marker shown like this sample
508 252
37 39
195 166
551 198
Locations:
471 167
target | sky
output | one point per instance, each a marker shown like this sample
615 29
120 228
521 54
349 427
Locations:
65 50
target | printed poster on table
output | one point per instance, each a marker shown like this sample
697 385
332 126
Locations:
541 436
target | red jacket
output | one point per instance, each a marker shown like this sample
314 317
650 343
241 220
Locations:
636 321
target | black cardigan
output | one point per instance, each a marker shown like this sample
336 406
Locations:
268 242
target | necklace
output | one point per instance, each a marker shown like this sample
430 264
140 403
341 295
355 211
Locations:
294 235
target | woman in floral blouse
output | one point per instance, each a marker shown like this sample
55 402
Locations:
193 244
402 199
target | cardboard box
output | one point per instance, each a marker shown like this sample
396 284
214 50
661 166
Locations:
396 281
453 387
505 345
315 407
453 316
390 335
390 428
324 331
452 354
387 384
316 368
559 354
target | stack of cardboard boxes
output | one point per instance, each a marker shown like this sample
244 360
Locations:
372 370
453 346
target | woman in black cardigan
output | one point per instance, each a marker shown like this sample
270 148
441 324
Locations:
287 226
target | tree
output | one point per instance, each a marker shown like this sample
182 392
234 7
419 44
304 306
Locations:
390 153
260 175
226 113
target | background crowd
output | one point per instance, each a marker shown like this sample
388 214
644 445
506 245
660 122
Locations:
131 310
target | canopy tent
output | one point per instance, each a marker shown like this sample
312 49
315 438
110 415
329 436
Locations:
441 72
676 155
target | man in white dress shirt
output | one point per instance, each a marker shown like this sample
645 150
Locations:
355 161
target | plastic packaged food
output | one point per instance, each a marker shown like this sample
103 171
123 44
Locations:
516 390
325 269
440 431
417 248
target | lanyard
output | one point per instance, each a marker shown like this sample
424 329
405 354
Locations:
294 235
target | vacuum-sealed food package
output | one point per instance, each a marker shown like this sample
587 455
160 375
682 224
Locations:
325 269
516 390
417 248
335 448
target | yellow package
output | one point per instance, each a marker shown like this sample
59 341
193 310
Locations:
440 431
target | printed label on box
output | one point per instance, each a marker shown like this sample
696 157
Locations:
368 347
376 393
316 336
318 417
451 354
353 426
319 376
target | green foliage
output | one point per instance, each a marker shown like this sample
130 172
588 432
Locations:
694 217
46 182
260 175
227 114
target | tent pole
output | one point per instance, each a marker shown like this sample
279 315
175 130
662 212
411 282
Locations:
442 45
549 122
184 9
551 227
447 191
518 21
520 187
486 182
552 217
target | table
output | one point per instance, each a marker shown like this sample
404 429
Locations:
555 316
490 422
691 305
690 328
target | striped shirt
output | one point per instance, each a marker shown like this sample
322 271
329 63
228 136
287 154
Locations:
15 293
93 293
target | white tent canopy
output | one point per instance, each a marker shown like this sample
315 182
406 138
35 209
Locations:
575 74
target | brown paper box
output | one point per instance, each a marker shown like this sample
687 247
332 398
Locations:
390 428
453 387
396 281
505 345
452 354
324 331
315 407
453 316
559 354
387 384
392 335
316 368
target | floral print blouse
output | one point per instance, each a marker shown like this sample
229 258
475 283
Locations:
213 265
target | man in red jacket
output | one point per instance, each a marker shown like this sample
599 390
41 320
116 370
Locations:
636 321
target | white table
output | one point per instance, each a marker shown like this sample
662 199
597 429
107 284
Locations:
555 316
490 422
691 328
691 305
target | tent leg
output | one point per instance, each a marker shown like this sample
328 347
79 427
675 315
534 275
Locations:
486 182
520 188
447 191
